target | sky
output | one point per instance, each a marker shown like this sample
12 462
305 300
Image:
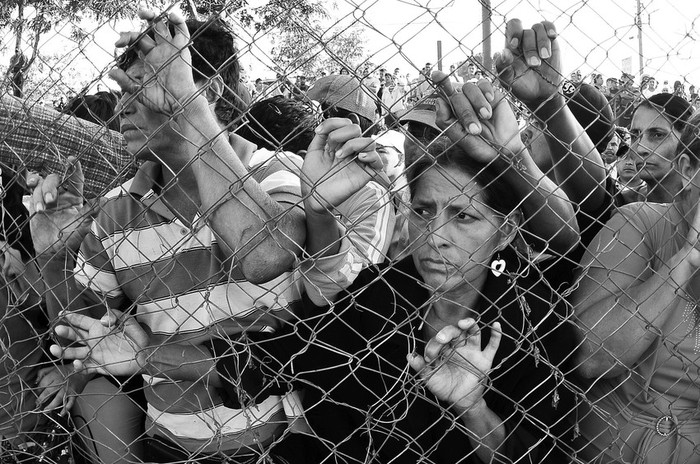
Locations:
596 35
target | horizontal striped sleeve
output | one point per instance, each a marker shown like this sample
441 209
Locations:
368 216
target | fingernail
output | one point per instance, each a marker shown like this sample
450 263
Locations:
514 42
484 113
474 128
441 337
544 53
338 153
318 129
48 197
39 207
552 32
489 96
534 61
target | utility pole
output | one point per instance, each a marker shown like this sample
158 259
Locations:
486 33
639 37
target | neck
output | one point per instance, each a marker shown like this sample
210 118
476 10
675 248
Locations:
456 304
180 193
686 204
664 191
631 183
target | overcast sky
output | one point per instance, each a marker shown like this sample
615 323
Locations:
597 34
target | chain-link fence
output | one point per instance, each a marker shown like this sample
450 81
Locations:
349 232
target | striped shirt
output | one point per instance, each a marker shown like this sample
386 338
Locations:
368 218
181 284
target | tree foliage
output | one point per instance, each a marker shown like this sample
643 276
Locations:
271 14
28 20
313 49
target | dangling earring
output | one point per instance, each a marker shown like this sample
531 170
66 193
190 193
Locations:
498 266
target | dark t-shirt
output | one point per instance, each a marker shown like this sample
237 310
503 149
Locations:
362 397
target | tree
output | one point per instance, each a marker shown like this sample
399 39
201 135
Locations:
29 20
273 14
313 49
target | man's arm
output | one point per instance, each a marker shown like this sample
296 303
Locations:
63 293
264 236
59 222
337 169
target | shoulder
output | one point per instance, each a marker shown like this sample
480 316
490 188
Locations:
642 216
278 173
119 210
377 284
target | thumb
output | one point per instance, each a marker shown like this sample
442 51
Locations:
416 362
319 142
73 178
110 319
504 68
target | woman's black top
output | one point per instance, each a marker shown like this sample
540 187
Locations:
362 399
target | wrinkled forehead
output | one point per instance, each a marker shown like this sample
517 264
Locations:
447 185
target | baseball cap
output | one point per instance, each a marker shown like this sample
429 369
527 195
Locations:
424 111
345 92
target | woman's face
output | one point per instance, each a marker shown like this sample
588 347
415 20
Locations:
452 232
654 144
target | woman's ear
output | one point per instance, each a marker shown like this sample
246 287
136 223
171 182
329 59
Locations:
509 229
687 170
213 88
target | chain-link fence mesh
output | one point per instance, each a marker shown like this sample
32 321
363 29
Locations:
349 232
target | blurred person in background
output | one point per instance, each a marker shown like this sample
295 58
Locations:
630 188
98 108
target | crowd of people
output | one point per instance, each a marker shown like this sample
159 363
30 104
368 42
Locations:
366 269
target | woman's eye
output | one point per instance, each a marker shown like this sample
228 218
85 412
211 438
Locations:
465 217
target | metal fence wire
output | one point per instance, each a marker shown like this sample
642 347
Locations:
349 232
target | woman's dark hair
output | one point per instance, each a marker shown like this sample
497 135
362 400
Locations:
673 107
98 108
280 123
213 52
496 192
690 140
